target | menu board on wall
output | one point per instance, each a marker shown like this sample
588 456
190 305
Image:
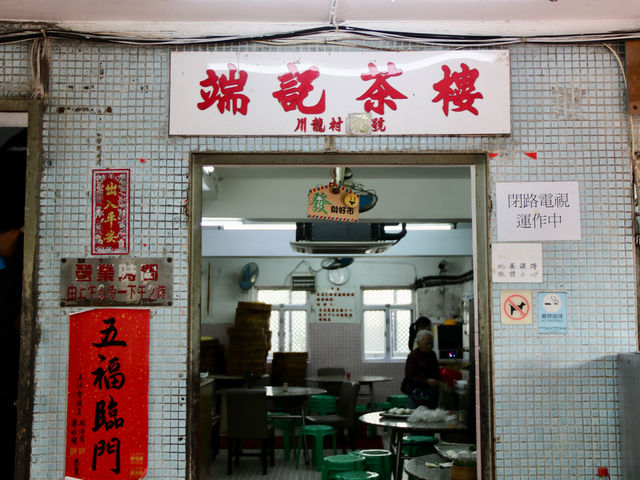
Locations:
335 304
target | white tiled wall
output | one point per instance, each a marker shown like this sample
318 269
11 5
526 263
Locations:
555 395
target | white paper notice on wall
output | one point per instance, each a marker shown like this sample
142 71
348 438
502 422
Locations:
335 304
516 262
530 211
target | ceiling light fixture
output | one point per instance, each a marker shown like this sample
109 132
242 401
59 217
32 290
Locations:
241 224
421 227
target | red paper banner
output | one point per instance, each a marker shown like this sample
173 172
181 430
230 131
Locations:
108 391
110 216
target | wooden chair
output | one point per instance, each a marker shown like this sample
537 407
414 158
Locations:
247 419
331 388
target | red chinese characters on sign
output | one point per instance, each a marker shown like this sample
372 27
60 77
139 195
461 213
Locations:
458 88
379 94
110 217
128 283
294 89
108 388
225 91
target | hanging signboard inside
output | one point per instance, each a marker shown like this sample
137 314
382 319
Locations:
108 391
327 203
338 93
530 211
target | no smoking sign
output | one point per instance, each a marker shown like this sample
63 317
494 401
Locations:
515 307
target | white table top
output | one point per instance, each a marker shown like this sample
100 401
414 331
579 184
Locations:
375 418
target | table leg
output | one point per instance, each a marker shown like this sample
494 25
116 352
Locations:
304 440
398 471
372 397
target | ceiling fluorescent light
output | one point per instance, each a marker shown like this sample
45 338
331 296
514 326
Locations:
420 226
240 224
429 226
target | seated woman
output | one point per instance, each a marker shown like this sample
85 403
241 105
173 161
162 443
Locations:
422 373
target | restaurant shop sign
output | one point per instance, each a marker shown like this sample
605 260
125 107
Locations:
107 398
340 93
116 281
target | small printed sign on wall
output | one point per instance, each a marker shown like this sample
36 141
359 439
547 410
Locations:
552 312
516 262
515 307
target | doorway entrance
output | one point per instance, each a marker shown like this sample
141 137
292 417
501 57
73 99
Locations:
475 165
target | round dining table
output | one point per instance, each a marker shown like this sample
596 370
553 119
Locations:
417 468
367 380
400 426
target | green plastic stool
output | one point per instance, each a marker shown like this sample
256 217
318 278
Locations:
417 445
356 475
377 460
399 401
318 432
383 405
340 463
288 427
322 404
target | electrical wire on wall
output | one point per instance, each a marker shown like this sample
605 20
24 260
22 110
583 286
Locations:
329 34
635 155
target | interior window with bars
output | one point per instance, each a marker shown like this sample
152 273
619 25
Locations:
288 321
387 316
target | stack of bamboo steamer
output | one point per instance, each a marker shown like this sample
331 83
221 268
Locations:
289 367
249 339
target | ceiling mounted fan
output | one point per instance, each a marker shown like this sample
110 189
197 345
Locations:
334 263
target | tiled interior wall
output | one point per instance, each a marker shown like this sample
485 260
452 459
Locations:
555 395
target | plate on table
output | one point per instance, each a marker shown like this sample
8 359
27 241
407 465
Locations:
395 413
453 451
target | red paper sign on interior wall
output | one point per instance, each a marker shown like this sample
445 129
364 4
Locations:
108 390
110 212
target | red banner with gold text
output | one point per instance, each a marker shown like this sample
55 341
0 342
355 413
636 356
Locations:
108 391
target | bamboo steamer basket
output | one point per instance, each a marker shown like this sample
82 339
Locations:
253 315
247 351
290 367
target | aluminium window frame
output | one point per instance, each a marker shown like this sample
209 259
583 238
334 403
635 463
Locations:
289 307
388 330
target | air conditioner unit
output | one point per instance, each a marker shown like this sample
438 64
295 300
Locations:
336 238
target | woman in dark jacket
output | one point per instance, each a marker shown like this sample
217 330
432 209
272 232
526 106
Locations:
422 373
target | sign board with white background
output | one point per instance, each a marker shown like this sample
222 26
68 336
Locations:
530 211
516 262
552 312
338 93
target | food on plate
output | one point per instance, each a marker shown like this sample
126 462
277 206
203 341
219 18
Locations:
400 411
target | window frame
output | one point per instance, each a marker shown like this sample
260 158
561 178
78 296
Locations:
287 307
389 336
